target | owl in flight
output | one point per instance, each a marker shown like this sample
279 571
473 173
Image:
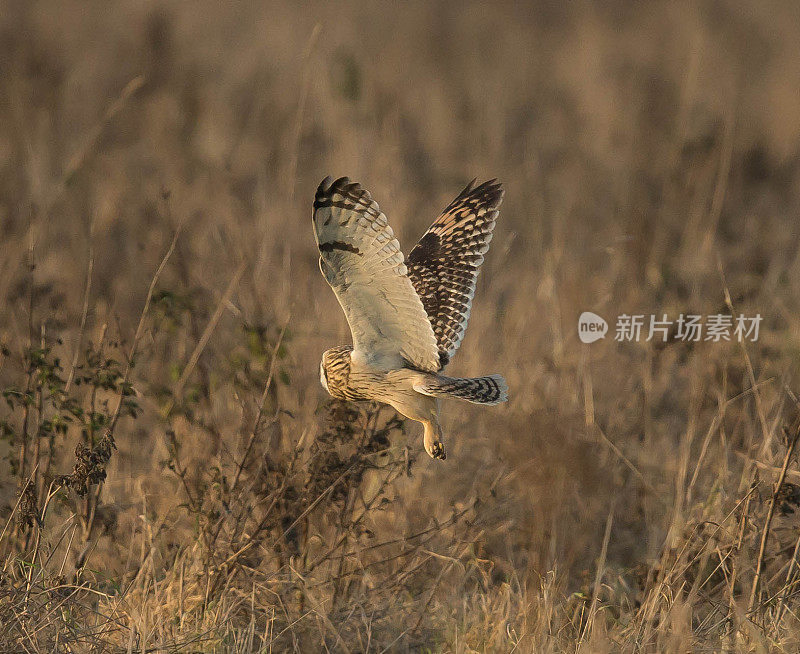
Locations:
407 316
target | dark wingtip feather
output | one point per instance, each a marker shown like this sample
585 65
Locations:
327 188
323 191
353 191
490 193
328 185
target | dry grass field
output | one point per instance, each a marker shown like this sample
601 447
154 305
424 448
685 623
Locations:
173 476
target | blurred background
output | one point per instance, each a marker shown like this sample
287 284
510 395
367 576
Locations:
650 154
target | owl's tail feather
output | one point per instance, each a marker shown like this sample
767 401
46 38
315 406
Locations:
479 390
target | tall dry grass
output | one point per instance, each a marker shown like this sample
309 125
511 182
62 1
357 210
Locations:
175 479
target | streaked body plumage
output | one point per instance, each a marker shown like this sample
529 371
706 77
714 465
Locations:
407 318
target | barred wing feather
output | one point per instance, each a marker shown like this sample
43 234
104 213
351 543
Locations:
444 265
362 261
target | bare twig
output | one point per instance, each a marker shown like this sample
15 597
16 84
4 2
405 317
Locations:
765 432
14 510
140 326
262 401
80 156
624 459
598 578
209 330
86 293
768 522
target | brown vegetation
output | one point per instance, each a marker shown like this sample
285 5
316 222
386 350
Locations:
175 479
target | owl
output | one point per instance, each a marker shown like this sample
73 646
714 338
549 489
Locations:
407 316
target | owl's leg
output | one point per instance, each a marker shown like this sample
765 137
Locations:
432 438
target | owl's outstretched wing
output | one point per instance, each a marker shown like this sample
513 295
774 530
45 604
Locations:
444 265
362 261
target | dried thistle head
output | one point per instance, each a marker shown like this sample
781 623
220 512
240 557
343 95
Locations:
90 465
788 498
28 510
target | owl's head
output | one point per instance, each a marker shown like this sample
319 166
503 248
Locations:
334 370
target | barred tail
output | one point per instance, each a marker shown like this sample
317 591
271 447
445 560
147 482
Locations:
479 390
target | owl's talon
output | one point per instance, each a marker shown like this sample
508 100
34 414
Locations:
437 451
